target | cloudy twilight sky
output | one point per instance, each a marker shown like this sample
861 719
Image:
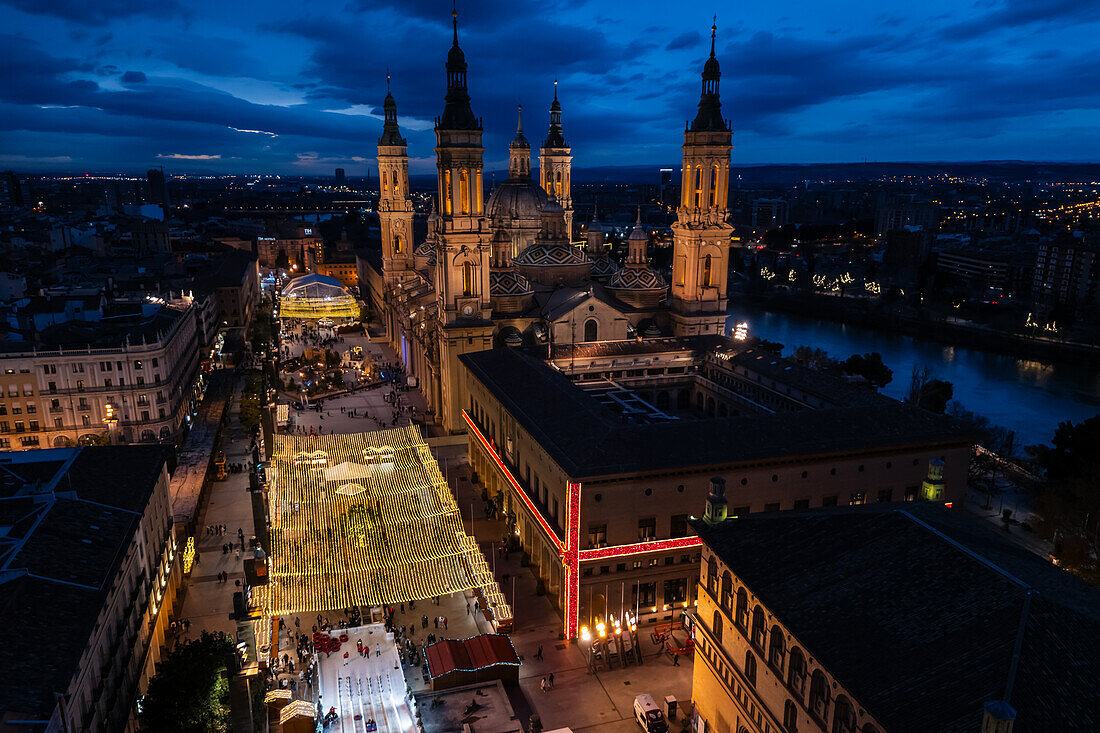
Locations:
294 87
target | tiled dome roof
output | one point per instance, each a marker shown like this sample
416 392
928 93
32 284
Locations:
604 266
636 278
551 254
516 199
507 282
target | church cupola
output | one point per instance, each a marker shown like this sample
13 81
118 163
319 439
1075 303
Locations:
391 132
519 152
555 138
457 114
715 512
556 164
637 243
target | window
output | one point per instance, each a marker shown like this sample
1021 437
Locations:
669 560
645 594
83 405
676 590
58 423
857 497
108 382
16 409
750 667
885 494
3 409
742 617
464 191
714 186
80 385
53 387
698 186
597 535
4 427
772 507
819 695
712 576
448 192
844 716
591 330
678 526
727 591
33 426
740 511
620 567
716 627
86 421
911 493
707 271
796 673
647 528
467 278
801 504
605 569
828 501
759 632
30 441
141 379
777 650
19 426
790 717
5 443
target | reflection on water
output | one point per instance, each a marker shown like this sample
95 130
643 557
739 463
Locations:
1027 396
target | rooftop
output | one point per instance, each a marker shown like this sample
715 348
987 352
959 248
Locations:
68 515
916 612
587 438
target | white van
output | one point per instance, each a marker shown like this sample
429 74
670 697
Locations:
648 715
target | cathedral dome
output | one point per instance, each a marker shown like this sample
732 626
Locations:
507 282
516 199
551 254
603 267
636 278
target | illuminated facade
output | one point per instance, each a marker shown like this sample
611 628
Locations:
504 271
597 458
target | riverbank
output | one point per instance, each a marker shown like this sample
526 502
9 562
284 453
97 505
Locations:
973 336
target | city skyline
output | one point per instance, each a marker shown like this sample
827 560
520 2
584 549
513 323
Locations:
124 86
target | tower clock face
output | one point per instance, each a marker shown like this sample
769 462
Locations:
467 310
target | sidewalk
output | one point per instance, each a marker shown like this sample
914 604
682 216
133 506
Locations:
208 603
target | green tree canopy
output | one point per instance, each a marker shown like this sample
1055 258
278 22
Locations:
870 367
190 692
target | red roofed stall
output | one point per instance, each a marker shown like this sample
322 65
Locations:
457 662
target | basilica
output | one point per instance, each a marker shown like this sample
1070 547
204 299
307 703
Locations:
505 271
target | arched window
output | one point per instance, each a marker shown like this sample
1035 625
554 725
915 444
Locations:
464 191
712 576
844 716
750 667
727 591
468 278
448 192
716 627
591 330
398 245
742 618
698 186
759 632
777 650
796 673
479 188
790 717
714 186
707 274
385 182
557 184
819 695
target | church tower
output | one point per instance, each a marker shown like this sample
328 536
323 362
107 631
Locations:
701 234
395 211
463 251
556 165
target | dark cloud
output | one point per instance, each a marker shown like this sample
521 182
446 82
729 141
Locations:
97 12
685 40
134 77
1012 14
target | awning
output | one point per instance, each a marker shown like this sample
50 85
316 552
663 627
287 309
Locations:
468 655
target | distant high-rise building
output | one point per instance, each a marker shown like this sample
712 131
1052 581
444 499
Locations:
341 179
11 193
769 213
158 187
1067 272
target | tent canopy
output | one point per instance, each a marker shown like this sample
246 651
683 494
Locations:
468 655
317 296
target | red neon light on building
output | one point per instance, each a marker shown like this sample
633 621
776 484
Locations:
550 533
572 559
639 548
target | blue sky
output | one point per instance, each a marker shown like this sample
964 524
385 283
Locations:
296 88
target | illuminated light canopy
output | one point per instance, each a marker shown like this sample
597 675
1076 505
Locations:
316 297
392 535
189 556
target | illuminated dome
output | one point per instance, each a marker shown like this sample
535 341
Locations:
520 200
317 296
507 282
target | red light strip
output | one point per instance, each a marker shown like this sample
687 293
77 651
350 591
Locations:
639 548
515 484
572 559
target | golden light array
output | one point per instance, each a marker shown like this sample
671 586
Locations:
365 519
315 297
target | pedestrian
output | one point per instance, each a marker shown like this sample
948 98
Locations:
542 684
550 678
444 623
675 660
538 654
437 622
467 608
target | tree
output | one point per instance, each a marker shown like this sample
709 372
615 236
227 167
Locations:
1070 502
765 345
282 262
251 402
929 393
870 367
190 692
815 358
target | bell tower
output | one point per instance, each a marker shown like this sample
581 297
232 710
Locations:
463 249
701 233
556 165
395 211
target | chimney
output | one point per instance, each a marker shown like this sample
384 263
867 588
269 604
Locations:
716 502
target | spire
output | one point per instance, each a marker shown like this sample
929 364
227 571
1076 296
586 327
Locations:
519 152
709 117
391 132
554 138
457 114
637 242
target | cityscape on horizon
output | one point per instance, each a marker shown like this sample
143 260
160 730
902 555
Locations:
510 390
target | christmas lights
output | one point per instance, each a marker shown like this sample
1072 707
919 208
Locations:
572 558
639 548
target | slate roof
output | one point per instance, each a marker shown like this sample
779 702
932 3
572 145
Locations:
588 439
916 612
71 522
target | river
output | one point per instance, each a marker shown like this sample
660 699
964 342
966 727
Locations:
1029 397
